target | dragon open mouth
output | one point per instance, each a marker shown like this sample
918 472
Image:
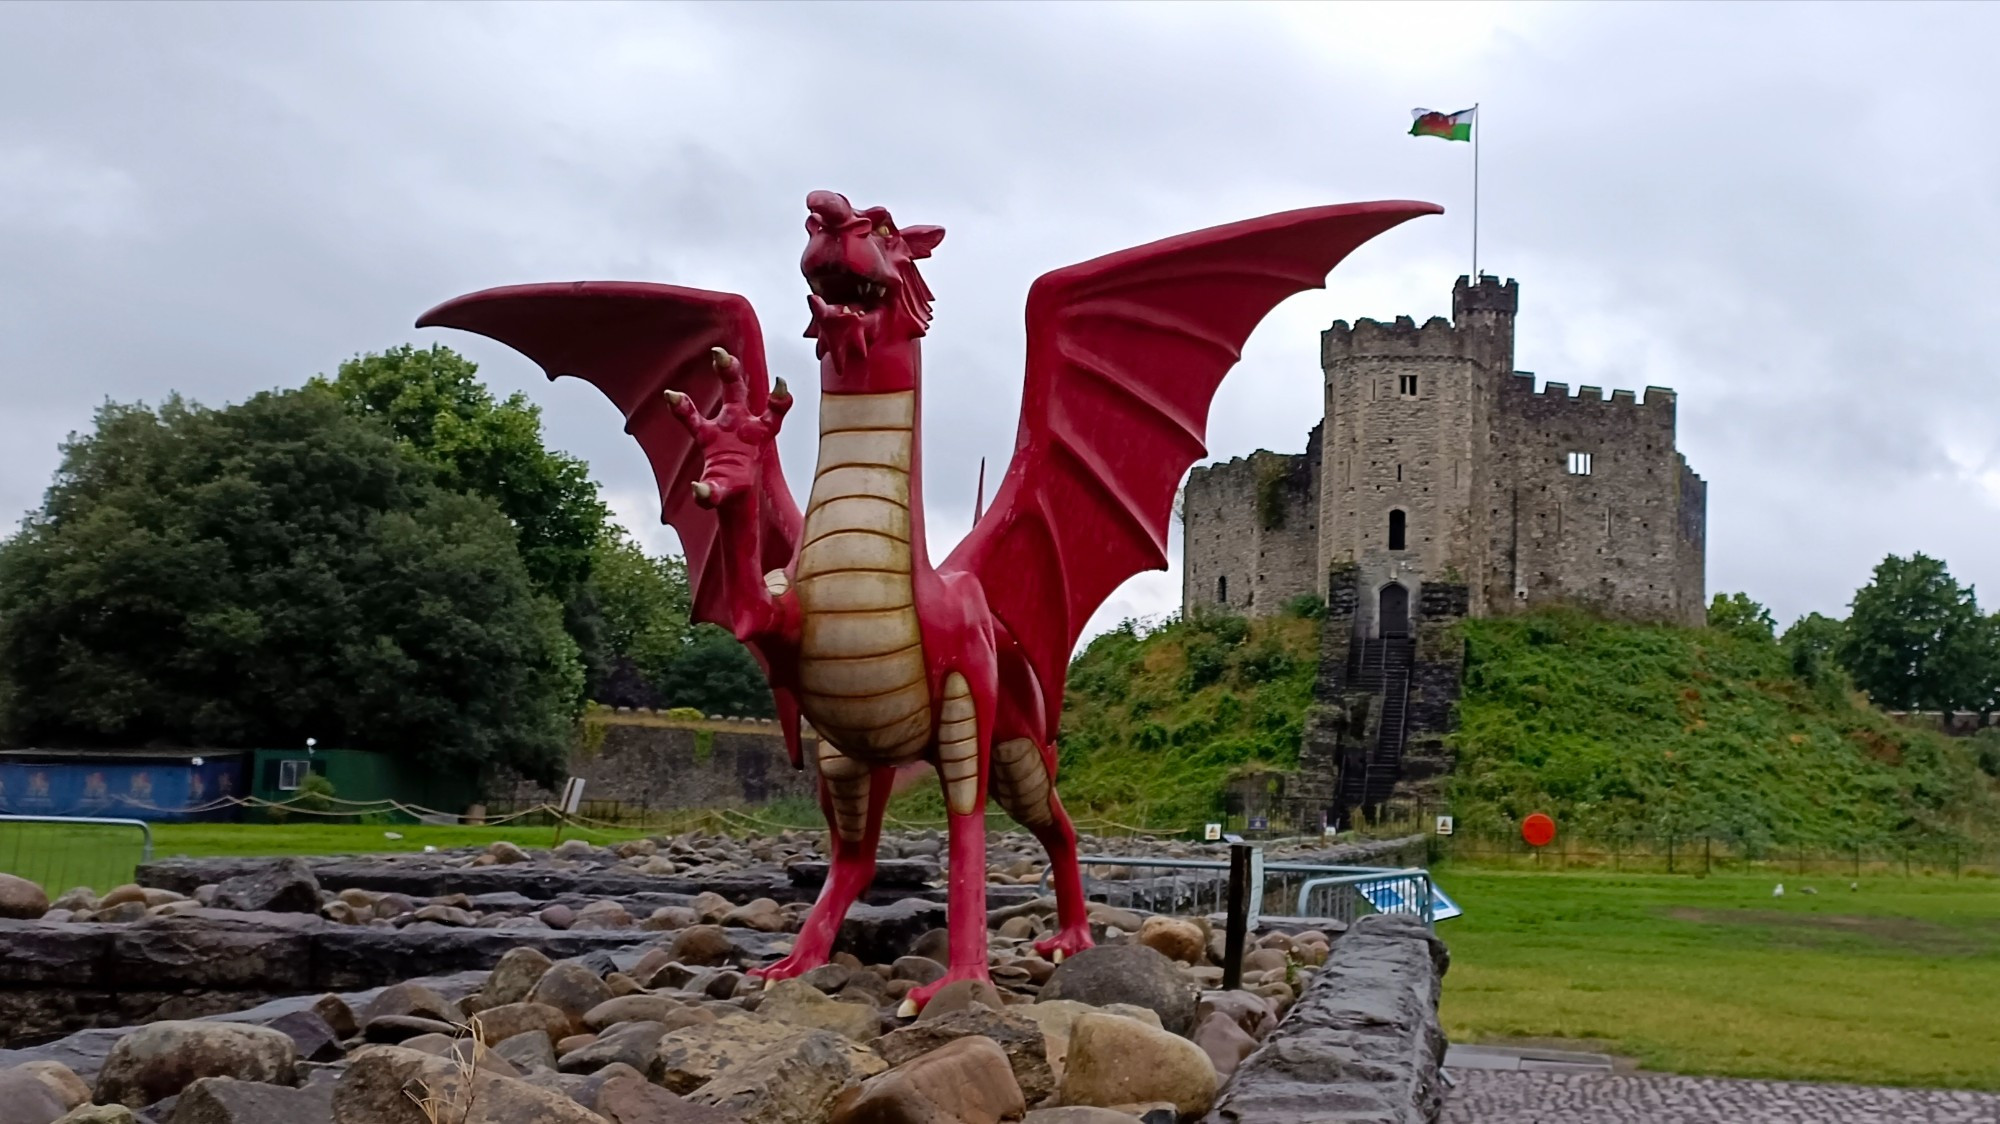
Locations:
843 288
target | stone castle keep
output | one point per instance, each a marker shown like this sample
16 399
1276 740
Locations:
1439 484
1438 462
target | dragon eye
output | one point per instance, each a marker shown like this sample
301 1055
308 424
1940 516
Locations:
883 231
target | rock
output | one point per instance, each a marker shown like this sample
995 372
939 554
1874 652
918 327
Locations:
800 1004
160 1059
761 914
1128 973
60 1079
1117 1061
528 1050
917 969
505 852
636 1044
879 934
98 1114
465 1051
712 907
967 1081
1265 960
1017 1035
337 1015
1225 1043
669 917
602 915
515 976
933 944
702 946
573 1042
1251 1013
225 1100
630 1008
396 1028
119 895
446 915
694 1056
283 886
1019 928
622 985
572 989
1056 1017
75 899
723 985
25 1099
372 1092
509 1020
21 900
557 916
793 1081
1113 917
315 1040
960 995
1078 1114
574 849
409 999
829 978
631 1100
1175 939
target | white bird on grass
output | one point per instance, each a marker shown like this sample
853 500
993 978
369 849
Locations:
1779 892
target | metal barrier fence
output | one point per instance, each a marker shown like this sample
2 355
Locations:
60 853
1313 891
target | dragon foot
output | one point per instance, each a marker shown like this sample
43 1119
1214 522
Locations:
1065 942
920 997
797 964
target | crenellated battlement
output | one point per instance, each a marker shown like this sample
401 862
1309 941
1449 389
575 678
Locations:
1521 385
1489 295
1399 339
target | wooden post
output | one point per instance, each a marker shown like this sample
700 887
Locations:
1238 924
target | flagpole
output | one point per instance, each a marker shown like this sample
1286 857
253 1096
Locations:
1478 127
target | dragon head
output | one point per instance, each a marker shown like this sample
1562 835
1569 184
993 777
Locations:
863 272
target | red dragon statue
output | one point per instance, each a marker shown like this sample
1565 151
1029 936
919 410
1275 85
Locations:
894 661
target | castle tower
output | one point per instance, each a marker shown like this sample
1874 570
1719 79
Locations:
1402 455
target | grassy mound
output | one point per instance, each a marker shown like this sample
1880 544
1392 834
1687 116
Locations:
1625 728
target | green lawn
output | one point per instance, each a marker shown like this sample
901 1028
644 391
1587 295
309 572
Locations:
1892 984
60 856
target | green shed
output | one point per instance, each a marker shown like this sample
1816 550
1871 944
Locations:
363 775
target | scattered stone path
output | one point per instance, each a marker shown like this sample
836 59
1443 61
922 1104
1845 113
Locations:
1500 1097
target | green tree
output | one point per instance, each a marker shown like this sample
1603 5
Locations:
1737 613
433 400
270 571
716 674
1916 639
1813 644
639 604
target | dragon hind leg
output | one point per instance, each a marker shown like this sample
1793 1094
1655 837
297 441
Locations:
1021 783
853 796
962 739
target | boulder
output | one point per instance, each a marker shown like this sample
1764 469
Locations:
917 969
372 1091
712 907
602 915
21 900
505 852
1127 973
1078 1114
761 914
1225 1043
961 995
636 1044
25 1099
1250 1012
315 1039
160 1059
967 1081
1265 960
692 1057
703 946
572 989
409 999
119 895
800 1004
1119 1061
528 1050
879 934
397 1028
669 917
1056 1017
225 1100
1175 939
60 1079
792 1081
515 976
829 978
1017 1035
282 886
631 1100
99 1114
630 1008
498 1024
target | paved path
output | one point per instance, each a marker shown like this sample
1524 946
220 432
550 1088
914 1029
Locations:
1490 1096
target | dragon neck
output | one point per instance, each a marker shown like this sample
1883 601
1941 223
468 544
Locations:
888 371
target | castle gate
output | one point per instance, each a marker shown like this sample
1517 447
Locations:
1394 611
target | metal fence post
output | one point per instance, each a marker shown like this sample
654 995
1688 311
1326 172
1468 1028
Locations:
1238 922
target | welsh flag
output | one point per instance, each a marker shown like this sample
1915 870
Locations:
1450 126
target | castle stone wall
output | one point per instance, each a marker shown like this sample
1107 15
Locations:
660 764
1252 532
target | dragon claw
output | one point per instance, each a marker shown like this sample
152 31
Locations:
724 361
1065 943
704 493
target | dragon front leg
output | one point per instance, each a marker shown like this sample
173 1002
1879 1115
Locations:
853 796
1024 784
964 750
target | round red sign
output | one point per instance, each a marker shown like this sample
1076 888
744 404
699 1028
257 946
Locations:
1539 830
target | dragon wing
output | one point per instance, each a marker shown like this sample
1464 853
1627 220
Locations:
1125 353
632 341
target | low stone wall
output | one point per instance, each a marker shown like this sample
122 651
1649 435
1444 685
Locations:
1362 1044
649 761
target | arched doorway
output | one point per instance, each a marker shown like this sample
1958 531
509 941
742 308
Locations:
1394 610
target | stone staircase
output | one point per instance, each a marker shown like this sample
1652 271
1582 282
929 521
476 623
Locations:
1381 669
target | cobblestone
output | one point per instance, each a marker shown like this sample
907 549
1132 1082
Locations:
1495 1097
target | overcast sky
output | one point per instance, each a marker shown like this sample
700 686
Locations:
1787 213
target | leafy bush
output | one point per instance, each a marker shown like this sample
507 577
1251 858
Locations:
1310 606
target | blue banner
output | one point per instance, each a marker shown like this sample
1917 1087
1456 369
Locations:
154 790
